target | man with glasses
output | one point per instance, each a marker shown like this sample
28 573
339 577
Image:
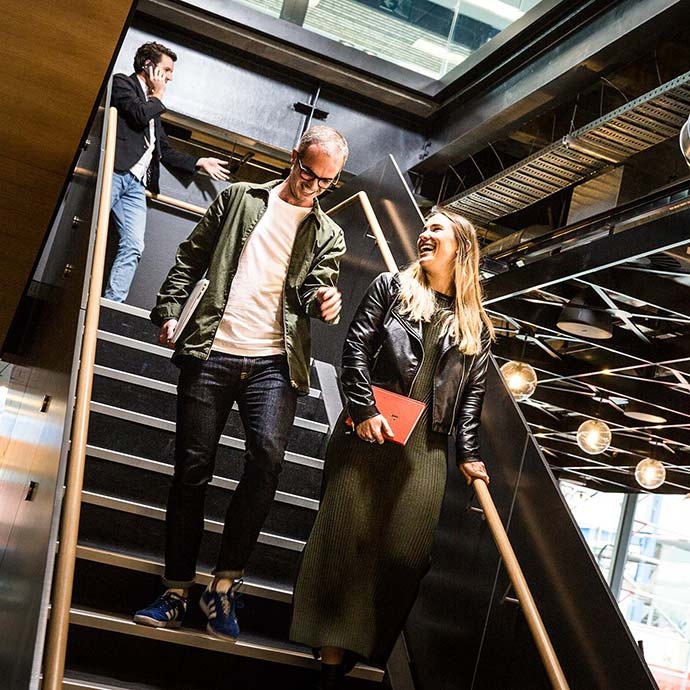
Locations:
272 258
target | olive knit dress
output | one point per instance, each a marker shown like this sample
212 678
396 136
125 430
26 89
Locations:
370 544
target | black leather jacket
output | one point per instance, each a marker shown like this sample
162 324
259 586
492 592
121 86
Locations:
385 349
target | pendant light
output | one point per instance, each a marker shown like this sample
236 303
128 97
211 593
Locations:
594 435
520 378
650 473
580 318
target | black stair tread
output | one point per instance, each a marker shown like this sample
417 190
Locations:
150 443
79 680
147 383
256 586
144 537
133 663
251 645
162 405
143 487
157 512
147 358
128 462
122 591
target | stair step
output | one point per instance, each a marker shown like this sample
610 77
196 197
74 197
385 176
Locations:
250 645
125 437
144 510
164 353
305 438
73 680
139 486
169 425
166 469
249 586
143 536
171 389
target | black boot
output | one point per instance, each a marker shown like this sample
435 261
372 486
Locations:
331 677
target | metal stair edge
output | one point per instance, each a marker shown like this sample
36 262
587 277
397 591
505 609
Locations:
137 462
171 389
167 425
152 512
252 646
145 565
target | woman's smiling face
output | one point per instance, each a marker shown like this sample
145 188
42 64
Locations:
436 245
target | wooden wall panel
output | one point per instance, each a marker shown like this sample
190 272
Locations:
54 57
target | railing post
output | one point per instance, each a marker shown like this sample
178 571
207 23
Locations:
54 666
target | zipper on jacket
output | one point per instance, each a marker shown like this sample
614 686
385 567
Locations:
419 340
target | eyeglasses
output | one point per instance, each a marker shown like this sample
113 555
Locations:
308 175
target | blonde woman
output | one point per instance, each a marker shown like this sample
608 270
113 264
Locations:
422 333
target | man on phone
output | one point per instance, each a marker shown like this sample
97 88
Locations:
141 145
272 257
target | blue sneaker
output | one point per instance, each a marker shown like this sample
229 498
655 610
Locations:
221 610
166 612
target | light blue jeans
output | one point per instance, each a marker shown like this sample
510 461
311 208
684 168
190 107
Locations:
128 211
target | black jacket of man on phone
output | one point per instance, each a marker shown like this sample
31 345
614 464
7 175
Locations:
141 146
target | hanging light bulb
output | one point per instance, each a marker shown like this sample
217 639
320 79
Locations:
520 378
650 473
594 436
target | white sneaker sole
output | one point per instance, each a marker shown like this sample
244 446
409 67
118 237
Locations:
209 629
153 623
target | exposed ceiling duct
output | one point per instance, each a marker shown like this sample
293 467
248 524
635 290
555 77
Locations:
586 152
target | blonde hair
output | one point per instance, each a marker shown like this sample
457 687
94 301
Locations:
468 318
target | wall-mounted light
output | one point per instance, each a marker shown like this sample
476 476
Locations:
650 473
636 410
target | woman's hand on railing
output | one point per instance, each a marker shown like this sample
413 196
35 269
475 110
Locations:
474 470
166 333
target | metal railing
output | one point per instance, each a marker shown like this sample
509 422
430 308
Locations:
63 580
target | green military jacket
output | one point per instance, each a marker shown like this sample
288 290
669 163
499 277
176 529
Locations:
213 249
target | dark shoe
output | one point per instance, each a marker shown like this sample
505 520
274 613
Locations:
221 610
166 612
331 677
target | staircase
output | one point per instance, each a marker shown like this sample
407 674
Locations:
121 537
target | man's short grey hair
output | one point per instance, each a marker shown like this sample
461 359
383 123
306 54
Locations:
329 139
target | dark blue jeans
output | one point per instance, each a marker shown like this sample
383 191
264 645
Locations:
205 395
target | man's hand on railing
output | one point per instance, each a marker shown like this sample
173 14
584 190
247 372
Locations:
166 333
474 470
214 167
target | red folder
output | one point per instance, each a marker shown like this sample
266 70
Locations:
401 412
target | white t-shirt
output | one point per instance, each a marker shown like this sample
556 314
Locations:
252 324
141 166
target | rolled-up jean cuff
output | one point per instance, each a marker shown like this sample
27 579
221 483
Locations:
228 574
177 584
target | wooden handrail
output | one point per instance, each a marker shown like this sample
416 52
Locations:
54 667
529 607
171 201
374 224
517 578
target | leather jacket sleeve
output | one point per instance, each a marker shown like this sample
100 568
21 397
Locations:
361 345
470 411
